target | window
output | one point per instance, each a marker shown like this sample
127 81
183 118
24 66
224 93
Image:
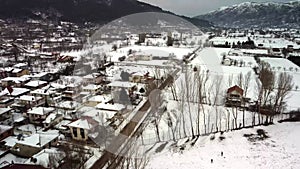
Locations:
82 134
75 132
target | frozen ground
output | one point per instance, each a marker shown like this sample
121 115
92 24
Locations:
280 150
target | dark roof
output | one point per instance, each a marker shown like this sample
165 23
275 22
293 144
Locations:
236 88
23 166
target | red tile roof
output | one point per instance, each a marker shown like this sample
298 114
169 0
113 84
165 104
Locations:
236 88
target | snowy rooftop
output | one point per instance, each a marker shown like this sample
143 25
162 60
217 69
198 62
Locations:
10 141
100 98
20 65
122 84
16 91
16 79
27 128
91 76
4 128
112 107
62 125
91 87
9 158
41 110
69 104
42 92
39 139
16 70
83 123
99 115
43 158
29 98
4 110
50 118
41 74
57 86
35 83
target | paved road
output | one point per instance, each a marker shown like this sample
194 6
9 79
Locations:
121 143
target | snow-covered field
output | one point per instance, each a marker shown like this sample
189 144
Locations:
280 150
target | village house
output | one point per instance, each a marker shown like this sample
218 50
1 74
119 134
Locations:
45 158
39 114
62 126
92 89
81 128
46 76
115 85
52 119
26 129
28 146
39 76
94 78
47 95
72 92
14 92
14 81
6 101
30 101
5 113
95 100
5 131
139 77
21 65
234 97
111 107
69 109
16 72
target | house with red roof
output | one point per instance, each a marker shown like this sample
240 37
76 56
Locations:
234 96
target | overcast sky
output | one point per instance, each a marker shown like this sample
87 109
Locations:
196 7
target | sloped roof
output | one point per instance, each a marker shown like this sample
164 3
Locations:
84 123
236 88
39 139
41 110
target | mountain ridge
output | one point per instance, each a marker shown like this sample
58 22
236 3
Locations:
255 14
79 11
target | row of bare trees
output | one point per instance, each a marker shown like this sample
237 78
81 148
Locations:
199 88
274 89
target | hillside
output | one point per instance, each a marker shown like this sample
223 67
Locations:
241 149
252 14
78 11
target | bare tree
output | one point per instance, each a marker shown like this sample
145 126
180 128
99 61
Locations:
76 156
284 86
156 100
240 80
189 97
201 79
217 91
246 83
267 78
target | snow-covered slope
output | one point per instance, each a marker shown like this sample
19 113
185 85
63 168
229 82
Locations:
253 14
280 150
